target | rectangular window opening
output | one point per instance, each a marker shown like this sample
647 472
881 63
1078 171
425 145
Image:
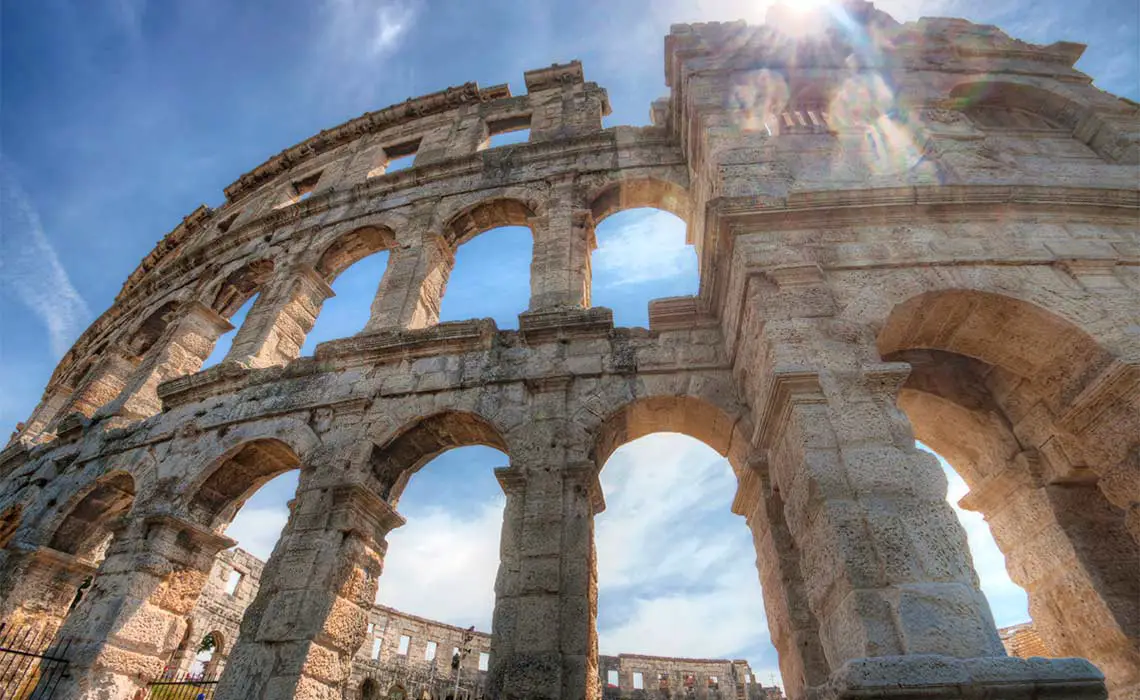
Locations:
429 651
663 680
638 681
504 132
376 647
371 626
405 642
225 224
303 188
713 682
401 156
233 581
612 678
484 661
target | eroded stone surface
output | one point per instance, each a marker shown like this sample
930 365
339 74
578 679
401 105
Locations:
938 240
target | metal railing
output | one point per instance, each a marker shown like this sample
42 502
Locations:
32 661
186 686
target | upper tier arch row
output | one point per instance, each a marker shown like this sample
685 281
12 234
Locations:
321 204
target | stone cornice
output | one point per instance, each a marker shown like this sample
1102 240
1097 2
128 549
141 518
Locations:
789 386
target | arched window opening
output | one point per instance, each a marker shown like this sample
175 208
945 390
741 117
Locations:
234 300
491 277
226 340
206 656
671 557
369 690
354 266
442 564
1008 601
641 255
89 526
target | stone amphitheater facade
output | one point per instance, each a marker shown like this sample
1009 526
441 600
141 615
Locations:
924 230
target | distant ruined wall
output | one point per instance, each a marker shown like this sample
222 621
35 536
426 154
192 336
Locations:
904 230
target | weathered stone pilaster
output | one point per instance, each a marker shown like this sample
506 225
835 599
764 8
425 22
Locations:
310 615
126 627
276 326
181 351
411 291
886 570
544 642
105 382
563 241
792 625
1071 552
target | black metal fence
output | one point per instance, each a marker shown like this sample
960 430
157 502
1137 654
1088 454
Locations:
186 686
32 661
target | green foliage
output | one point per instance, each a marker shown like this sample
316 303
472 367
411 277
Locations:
208 643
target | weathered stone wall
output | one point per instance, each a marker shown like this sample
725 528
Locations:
927 230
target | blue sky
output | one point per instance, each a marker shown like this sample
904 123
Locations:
119 117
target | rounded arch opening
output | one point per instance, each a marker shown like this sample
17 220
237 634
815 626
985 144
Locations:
354 265
671 554
87 529
493 248
641 193
235 476
369 690
441 566
989 377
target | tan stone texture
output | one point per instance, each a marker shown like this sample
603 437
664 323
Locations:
952 258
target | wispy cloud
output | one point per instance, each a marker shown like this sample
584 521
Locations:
258 527
641 246
30 269
351 54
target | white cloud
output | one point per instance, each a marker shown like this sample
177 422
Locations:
443 566
367 28
257 528
641 246
31 271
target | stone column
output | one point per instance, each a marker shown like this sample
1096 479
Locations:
133 618
792 625
563 241
181 351
411 291
544 643
276 326
886 569
1071 552
310 615
106 381
38 586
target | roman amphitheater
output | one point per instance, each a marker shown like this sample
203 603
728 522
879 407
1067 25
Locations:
904 230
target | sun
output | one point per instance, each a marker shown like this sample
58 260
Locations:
800 18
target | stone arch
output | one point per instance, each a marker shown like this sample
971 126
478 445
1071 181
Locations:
92 515
637 192
991 380
485 215
224 486
240 285
369 690
670 414
147 333
393 463
351 247
219 652
1057 110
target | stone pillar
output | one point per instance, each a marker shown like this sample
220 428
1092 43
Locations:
133 618
544 643
49 411
106 381
563 241
1070 550
792 625
886 569
38 586
310 616
412 288
276 326
181 351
